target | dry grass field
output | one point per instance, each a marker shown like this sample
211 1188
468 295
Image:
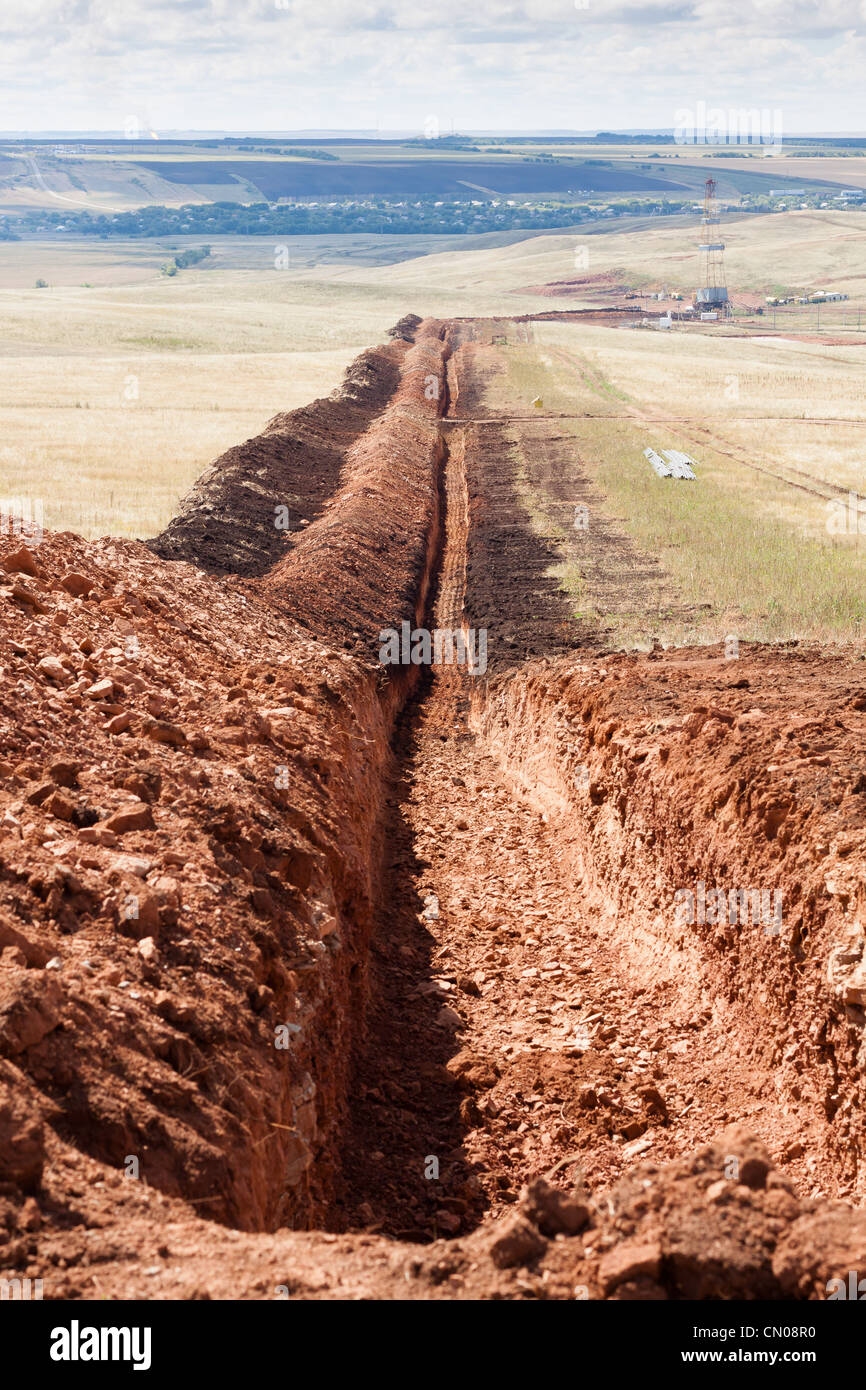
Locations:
765 255
118 386
776 429
116 393
111 443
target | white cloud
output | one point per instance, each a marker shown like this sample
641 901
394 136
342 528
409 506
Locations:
247 64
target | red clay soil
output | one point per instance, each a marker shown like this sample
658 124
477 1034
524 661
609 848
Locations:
366 563
682 1231
230 522
189 806
297 1001
665 774
605 282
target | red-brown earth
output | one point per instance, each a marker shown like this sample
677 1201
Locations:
322 978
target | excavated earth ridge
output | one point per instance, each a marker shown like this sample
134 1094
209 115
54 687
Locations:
265 902
229 522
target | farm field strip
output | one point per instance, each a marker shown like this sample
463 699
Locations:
748 551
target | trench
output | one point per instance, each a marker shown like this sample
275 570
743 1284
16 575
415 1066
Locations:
402 1094
507 1007
502 992
519 1020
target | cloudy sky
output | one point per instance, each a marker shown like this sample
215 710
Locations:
486 64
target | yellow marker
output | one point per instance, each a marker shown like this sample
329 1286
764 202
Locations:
538 403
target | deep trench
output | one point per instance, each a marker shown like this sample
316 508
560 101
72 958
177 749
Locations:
406 1106
419 1155
377 1158
414 1157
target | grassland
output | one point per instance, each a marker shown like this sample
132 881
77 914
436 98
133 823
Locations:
765 254
118 386
110 444
746 546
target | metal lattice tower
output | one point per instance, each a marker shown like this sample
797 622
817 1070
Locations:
713 292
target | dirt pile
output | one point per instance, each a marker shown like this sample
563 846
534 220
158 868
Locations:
721 1223
406 328
367 563
248 505
188 811
605 283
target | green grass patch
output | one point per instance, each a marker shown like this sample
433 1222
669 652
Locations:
725 541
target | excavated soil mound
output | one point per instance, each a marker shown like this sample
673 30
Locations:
720 1224
606 282
188 813
366 563
248 505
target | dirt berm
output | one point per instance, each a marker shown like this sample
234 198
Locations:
245 508
369 560
712 812
192 791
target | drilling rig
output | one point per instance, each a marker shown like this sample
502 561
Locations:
713 292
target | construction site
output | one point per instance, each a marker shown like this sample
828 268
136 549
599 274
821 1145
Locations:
327 975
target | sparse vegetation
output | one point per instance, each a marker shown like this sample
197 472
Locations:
750 552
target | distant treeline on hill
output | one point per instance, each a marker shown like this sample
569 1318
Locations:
285 151
261 219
